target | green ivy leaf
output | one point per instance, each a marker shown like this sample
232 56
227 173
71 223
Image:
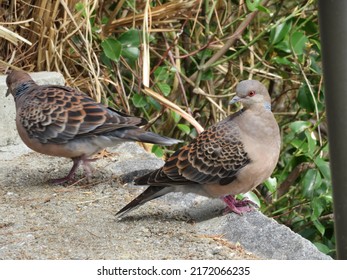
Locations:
300 145
317 205
278 33
164 88
81 8
319 226
311 179
184 128
161 74
283 46
316 44
311 141
324 168
139 100
305 98
156 105
193 133
271 184
112 48
131 38
176 117
104 20
130 41
207 75
322 247
252 5
131 53
281 60
298 42
105 60
299 126
263 9
157 151
315 66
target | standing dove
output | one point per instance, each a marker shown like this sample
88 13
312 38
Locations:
64 122
231 157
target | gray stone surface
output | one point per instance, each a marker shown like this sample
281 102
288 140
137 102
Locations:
43 221
263 237
9 135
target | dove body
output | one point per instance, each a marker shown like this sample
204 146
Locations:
64 122
231 157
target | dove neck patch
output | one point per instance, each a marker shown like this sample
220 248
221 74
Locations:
267 106
21 89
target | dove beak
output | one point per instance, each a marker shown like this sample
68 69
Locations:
234 100
7 92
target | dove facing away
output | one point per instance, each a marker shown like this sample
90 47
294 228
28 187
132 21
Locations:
64 122
231 157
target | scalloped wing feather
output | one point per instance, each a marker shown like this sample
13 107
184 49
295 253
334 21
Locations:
57 114
215 156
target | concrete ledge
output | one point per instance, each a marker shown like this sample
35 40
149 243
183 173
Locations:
9 135
42 219
263 237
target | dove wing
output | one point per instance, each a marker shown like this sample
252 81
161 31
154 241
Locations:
57 114
215 156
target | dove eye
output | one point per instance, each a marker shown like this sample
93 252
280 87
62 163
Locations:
251 93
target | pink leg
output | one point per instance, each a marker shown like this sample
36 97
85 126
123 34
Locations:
237 206
76 163
88 169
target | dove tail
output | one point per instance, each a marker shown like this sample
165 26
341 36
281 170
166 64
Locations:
150 193
138 134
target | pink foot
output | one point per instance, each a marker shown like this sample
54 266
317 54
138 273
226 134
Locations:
237 206
60 181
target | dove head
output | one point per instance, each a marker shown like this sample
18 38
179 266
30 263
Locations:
17 82
252 93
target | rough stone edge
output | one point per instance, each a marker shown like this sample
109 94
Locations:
263 236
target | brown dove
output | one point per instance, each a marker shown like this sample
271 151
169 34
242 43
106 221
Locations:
64 122
231 157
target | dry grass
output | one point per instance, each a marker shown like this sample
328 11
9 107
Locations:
48 35
50 27
51 35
